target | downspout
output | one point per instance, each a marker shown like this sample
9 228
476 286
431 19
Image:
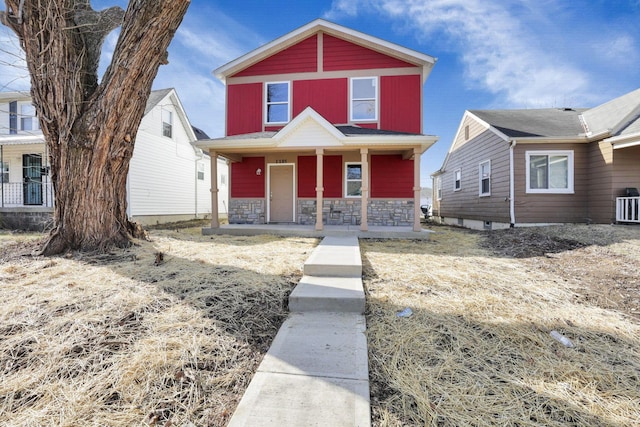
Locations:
2 171
512 192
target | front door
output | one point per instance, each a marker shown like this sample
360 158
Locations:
32 177
281 197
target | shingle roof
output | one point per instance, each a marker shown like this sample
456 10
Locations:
546 122
613 114
154 97
200 134
349 130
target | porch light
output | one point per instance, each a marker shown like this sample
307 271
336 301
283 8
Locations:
258 171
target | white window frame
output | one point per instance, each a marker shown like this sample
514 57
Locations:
570 172
33 120
167 114
457 179
4 172
267 103
347 180
481 178
376 99
439 188
200 172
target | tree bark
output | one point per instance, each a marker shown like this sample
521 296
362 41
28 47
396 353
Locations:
90 127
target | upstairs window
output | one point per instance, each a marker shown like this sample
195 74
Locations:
364 99
277 98
549 171
28 120
353 181
484 175
167 123
201 171
457 180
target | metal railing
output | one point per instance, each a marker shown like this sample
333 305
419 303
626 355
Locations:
26 194
628 209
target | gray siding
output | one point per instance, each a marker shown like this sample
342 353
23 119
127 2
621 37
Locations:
467 155
552 208
601 199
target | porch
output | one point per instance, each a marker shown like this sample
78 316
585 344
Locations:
628 209
373 232
29 194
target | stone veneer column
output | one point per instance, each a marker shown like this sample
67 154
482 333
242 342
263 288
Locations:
215 223
319 188
416 190
365 189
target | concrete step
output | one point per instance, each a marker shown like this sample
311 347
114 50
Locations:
332 294
335 256
314 374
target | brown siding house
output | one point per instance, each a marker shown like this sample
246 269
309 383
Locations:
509 168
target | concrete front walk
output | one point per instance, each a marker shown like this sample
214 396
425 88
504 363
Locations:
316 371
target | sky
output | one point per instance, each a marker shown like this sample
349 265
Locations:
491 54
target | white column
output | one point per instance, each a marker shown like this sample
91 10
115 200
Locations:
319 188
215 222
416 190
364 159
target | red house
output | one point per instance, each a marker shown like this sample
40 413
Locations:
324 126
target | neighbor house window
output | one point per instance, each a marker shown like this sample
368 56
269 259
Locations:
167 123
484 175
201 171
457 179
353 181
4 172
28 120
364 98
439 188
549 171
277 102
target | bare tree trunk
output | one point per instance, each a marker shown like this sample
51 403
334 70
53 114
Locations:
90 128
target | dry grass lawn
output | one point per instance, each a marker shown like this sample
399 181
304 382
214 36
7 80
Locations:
170 332
477 350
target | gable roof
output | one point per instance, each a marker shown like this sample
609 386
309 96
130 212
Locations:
546 122
156 97
614 115
320 25
308 128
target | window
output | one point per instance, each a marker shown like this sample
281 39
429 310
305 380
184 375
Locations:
549 171
277 102
167 123
4 172
364 98
439 188
457 180
353 181
466 133
201 171
484 175
28 120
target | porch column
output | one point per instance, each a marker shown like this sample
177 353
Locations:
215 222
364 159
319 188
416 190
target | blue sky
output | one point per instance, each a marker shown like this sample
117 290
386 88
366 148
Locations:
491 54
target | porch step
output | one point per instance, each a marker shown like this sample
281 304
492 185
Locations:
332 294
335 256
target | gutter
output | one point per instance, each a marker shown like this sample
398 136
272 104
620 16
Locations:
512 192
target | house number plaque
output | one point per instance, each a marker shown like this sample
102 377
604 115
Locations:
281 161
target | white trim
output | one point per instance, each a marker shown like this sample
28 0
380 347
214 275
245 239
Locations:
293 188
570 172
480 193
512 185
265 112
346 180
455 180
376 99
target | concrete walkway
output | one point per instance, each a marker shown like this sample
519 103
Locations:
316 371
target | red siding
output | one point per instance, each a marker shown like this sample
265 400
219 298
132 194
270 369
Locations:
328 97
299 58
339 54
307 176
391 177
400 103
244 108
331 175
368 125
244 181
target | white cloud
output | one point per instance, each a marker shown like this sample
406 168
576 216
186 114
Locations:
14 75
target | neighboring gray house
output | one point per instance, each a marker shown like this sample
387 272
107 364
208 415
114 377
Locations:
509 168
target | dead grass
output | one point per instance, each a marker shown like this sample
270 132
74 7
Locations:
135 338
478 351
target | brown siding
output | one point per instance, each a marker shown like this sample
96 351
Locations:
552 208
467 156
626 170
601 200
